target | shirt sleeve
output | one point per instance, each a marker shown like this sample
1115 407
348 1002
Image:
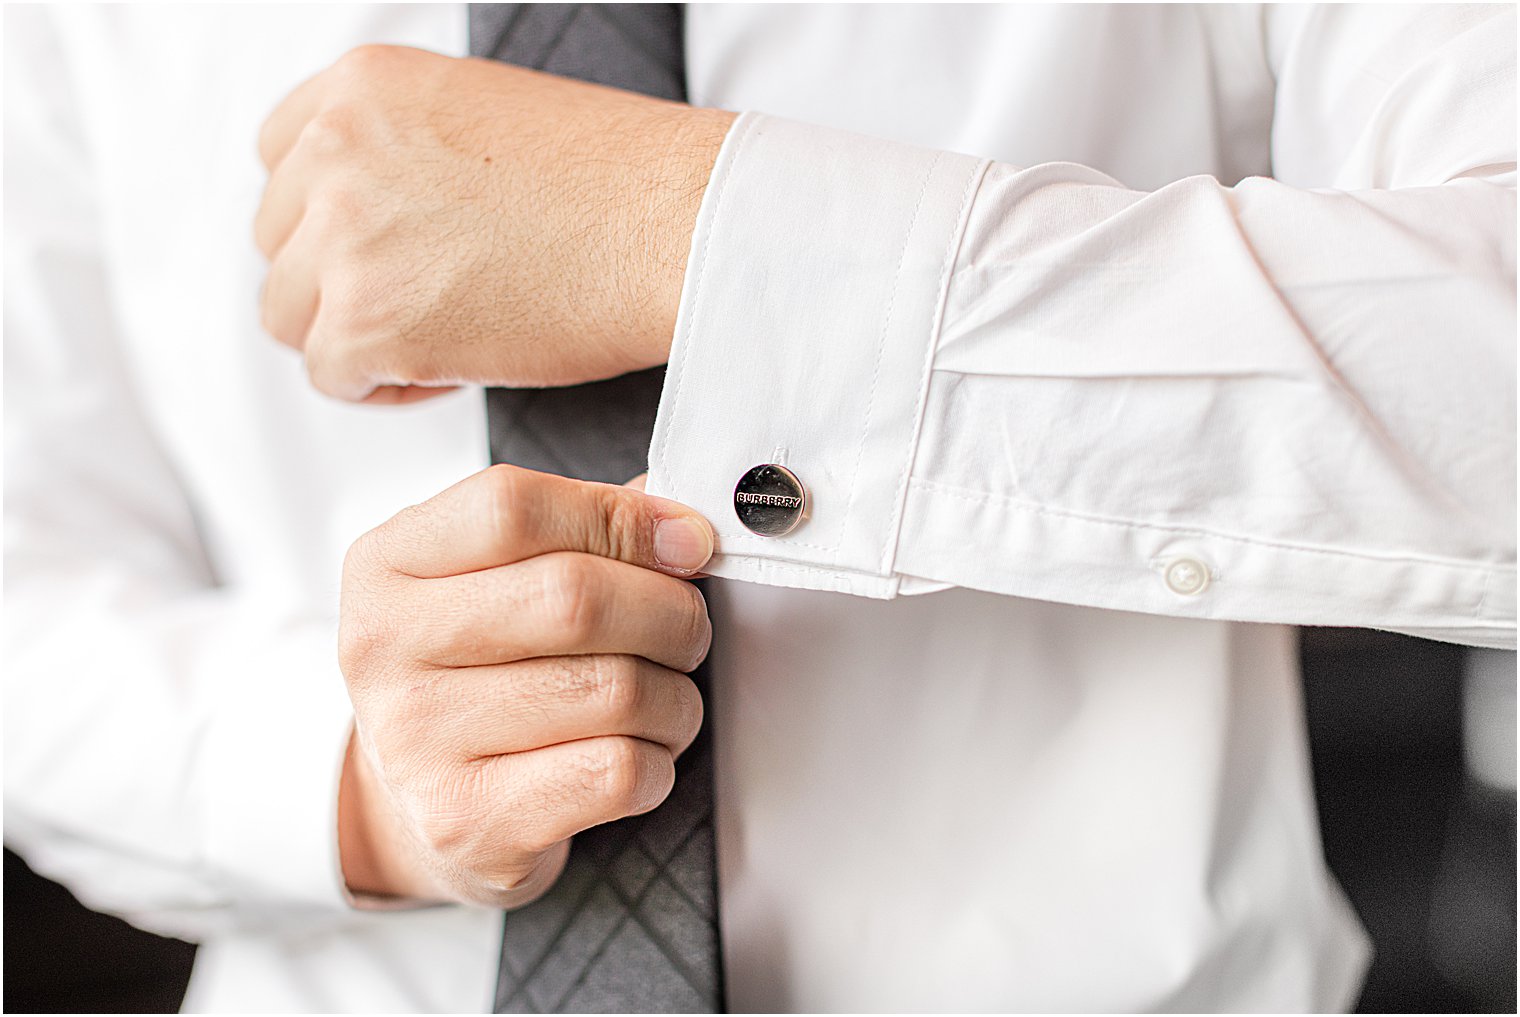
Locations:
172 743
1289 400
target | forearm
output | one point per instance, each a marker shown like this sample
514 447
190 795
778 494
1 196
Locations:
559 216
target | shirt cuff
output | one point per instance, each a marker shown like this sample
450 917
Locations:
813 296
274 757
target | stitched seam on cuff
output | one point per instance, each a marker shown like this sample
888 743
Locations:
770 543
936 324
1491 592
984 497
881 349
833 578
747 122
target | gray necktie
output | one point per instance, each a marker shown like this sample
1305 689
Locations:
631 926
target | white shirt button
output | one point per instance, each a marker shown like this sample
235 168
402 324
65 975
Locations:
1187 576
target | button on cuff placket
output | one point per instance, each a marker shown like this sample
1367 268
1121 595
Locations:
1186 577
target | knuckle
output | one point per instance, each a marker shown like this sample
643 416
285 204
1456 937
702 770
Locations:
503 486
264 237
268 320
363 558
571 598
449 823
322 374
611 772
266 143
624 529
367 60
362 638
335 366
502 877
332 130
351 302
580 680
279 322
696 627
366 629
692 709
619 686
339 215
659 779
413 527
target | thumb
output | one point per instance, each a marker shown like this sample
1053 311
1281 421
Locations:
506 514
637 484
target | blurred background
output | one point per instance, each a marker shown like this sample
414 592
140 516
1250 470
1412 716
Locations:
1414 764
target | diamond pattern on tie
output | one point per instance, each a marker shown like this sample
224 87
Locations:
631 925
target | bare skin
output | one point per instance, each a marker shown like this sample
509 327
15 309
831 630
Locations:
433 220
515 649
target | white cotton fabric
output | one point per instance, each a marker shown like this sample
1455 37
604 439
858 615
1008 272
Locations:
1037 380
1007 287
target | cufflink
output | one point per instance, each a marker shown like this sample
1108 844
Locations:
770 500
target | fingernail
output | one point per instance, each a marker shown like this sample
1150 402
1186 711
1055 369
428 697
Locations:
683 544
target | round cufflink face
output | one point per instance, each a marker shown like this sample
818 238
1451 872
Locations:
770 500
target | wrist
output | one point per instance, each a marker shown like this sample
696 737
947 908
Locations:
694 140
372 847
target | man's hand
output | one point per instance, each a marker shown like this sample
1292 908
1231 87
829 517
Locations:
514 650
432 220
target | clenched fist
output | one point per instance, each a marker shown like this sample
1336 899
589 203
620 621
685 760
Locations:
434 220
514 649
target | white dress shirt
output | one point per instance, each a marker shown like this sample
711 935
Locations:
1086 417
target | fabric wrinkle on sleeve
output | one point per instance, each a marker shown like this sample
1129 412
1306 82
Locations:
1289 400
172 746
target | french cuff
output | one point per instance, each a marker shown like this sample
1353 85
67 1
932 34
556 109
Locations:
805 336
274 756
